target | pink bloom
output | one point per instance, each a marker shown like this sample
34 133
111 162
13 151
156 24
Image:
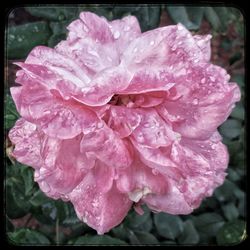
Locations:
113 117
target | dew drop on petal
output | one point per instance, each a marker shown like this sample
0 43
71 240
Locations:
117 34
152 43
45 186
155 172
127 28
203 80
212 78
195 101
135 49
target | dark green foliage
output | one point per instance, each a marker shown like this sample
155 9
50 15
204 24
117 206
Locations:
22 38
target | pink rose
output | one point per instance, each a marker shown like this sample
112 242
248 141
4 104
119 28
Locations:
112 117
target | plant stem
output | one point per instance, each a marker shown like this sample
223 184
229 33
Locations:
57 232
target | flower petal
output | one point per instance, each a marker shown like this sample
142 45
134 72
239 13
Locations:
57 118
105 144
64 166
204 44
206 100
27 140
173 202
102 209
124 31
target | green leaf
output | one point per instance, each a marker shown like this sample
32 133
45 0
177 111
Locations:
239 78
121 232
168 226
9 225
146 238
232 232
17 204
136 221
25 236
98 240
38 198
231 128
212 18
59 32
208 223
190 17
22 38
233 175
226 191
189 236
71 217
238 112
230 211
27 175
56 13
10 114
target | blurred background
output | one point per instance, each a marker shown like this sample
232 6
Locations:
34 219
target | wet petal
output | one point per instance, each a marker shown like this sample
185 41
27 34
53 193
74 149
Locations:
100 207
106 145
27 142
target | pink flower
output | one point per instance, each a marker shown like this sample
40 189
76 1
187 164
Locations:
113 117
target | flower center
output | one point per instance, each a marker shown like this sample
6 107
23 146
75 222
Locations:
122 100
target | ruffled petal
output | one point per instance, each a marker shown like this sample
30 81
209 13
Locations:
173 202
64 166
124 32
153 131
64 66
98 203
163 46
56 117
105 144
204 43
205 101
139 180
27 141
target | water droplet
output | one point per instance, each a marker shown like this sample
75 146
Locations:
179 27
196 60
117 34
36 29
212 78
213 146
203 80
135 49
12 37
37 174
45 186
227 77
19 39
66 97
152 43
174 47
86 28
140 138
47 112
195 101
127 28
155 172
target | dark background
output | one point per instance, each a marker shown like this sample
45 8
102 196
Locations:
33 219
